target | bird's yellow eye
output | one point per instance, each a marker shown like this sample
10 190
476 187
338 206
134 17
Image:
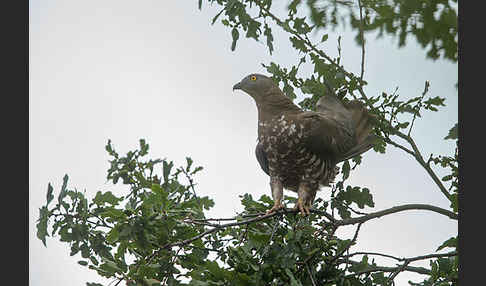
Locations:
253 77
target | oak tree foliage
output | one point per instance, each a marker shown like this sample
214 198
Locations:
157 232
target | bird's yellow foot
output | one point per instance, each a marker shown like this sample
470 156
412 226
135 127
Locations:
302 207
276 207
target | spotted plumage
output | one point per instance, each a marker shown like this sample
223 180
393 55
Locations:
283 141
299 149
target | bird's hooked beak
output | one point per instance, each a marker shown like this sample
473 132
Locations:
237 86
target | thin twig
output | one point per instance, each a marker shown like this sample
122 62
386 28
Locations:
420 159
362 38
243 236
389 141
347 246
372 253
197 222
310 274
119 280
333 193
418 105
215 219
267 247
394 274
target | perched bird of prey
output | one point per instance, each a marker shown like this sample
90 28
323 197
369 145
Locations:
299 149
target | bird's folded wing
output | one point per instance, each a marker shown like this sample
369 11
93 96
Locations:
262 158
326 135
332 107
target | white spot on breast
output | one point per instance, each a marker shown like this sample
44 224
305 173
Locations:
313 158
302 159
322 167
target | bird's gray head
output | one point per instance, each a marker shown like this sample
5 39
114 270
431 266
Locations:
256 85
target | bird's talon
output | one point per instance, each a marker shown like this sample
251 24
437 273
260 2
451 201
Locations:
307 209
300 206
275 208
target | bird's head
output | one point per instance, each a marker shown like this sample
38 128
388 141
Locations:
256 85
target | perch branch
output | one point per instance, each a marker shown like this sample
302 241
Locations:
411 259
372 268
333 221
396 209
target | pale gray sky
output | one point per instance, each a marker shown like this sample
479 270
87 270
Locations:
153 69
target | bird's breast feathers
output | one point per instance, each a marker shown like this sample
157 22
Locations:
284 139
282 132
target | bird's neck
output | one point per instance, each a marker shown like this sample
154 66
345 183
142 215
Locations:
274 105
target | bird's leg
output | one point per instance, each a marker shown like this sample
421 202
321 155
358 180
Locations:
306 196
277 194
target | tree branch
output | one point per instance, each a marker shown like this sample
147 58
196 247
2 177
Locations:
333 221
310 275
347 246
372 268
396 209
418 156
393 143
373 253
410 259
394 274
219 227
422 257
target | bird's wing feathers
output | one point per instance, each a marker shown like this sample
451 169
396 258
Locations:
325 135
262 158
332 107
363 123
341 130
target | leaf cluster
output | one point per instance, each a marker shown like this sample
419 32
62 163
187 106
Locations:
116 234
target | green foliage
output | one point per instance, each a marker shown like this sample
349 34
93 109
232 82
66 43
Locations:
453 133
432 23
109 228
157 233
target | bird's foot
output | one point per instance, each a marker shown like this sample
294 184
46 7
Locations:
302 207
276 207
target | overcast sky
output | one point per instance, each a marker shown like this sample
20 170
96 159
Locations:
125 70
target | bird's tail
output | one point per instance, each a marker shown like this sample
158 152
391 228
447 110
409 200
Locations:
363 122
